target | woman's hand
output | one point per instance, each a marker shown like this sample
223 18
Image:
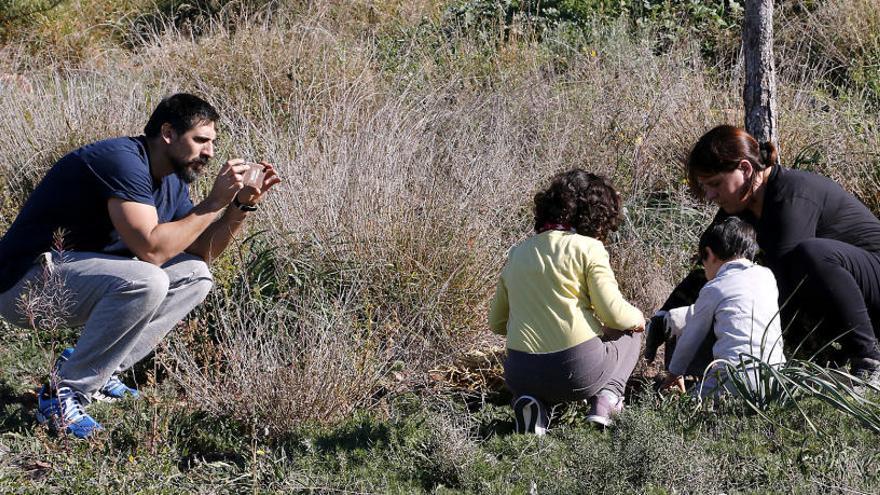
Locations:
673 383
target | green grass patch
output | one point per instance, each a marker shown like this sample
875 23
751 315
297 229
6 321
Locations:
437 442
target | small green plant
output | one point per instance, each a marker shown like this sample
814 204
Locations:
45 303
762 386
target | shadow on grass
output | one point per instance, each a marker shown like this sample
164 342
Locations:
363 434
16 409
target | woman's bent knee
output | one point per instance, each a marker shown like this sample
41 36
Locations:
814 258
810 252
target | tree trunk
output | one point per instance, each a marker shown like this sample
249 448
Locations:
759 93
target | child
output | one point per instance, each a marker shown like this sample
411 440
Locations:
738 305
556 293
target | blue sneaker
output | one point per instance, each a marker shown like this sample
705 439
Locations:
112 391
64 356
65 410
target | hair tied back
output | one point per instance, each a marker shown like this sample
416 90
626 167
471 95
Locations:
767 153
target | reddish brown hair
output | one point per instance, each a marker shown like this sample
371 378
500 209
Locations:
721 150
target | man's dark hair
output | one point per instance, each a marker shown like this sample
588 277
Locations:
729 238
584 201
183 111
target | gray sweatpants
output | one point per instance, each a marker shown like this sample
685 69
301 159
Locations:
126 307
576 373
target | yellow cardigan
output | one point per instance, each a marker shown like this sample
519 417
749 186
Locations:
556 291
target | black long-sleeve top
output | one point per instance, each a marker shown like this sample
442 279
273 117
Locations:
801 205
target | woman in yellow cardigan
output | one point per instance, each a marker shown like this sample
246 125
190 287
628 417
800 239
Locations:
556 297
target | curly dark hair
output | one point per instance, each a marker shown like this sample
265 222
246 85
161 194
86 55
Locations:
584 201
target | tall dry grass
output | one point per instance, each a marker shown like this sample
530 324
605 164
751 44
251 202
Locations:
409 167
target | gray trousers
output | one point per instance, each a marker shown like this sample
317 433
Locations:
576 373
125 306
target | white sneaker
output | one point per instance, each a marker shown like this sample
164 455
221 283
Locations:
531 415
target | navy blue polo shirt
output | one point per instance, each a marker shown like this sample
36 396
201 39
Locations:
73 197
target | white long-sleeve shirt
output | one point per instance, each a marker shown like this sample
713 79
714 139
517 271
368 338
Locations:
741 306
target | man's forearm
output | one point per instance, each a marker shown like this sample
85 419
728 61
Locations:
167 240
218 235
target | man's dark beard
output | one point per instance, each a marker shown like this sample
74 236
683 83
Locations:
185 171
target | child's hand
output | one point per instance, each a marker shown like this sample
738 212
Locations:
673 383
640 327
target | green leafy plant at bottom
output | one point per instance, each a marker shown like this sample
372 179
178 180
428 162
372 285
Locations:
761 385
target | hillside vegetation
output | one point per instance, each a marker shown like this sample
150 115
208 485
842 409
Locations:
412 136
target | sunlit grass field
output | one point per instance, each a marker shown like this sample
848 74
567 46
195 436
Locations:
336 352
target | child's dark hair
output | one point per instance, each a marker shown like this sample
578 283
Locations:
581 200
183 111
729 238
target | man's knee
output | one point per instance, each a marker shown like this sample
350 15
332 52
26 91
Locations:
191 273
203 280
150 282
194 268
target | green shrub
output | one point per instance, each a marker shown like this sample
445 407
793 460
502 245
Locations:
18 15
715 23
841 37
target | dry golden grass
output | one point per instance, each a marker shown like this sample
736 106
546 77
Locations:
410 161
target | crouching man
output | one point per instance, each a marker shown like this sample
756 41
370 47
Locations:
136 249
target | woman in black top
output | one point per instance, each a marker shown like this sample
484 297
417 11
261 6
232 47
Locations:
822 243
